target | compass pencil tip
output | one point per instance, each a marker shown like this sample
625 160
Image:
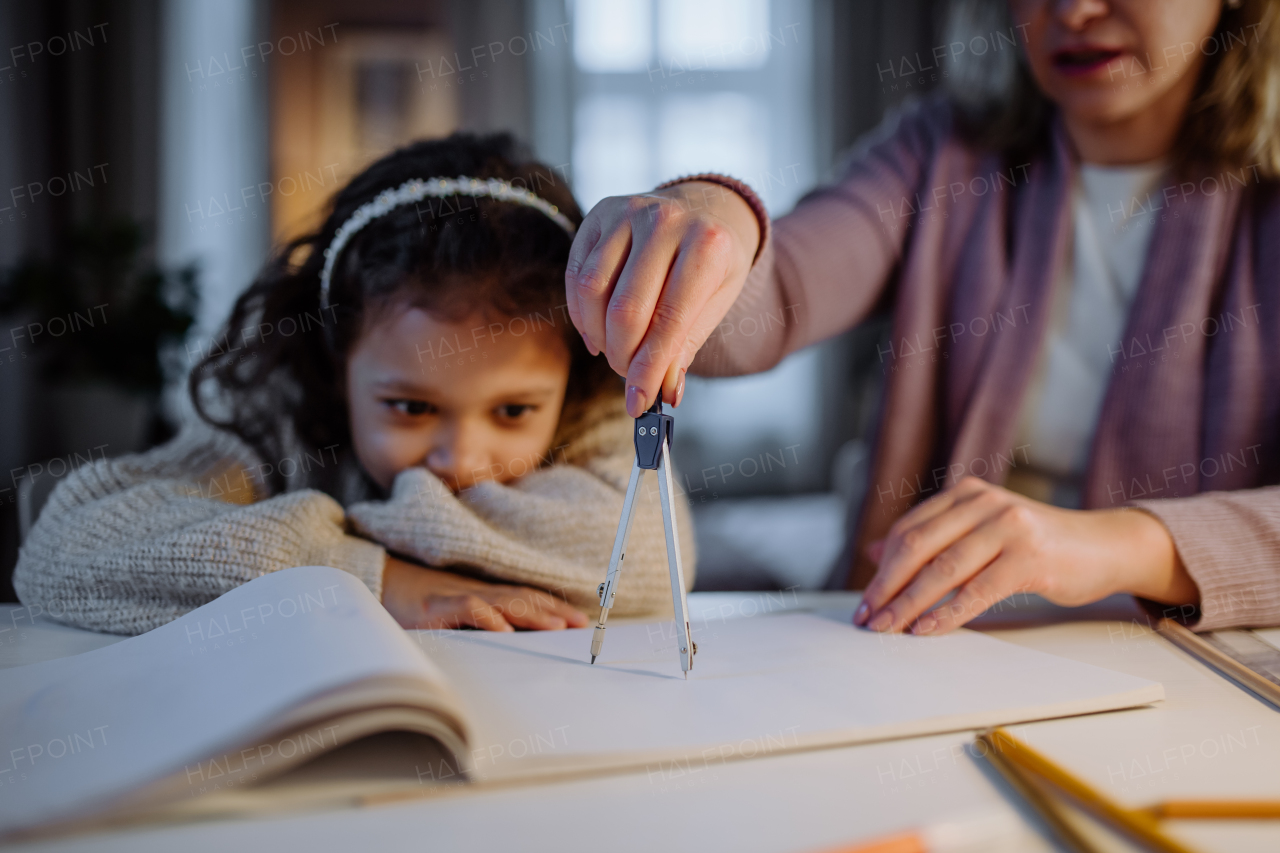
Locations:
593 658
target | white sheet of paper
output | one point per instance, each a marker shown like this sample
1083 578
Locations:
759 685
80 731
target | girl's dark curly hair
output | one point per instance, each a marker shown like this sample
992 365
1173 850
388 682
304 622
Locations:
276 376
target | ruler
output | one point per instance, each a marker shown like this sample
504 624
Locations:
1238 654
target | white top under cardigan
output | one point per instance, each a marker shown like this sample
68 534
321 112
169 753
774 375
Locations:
1114 211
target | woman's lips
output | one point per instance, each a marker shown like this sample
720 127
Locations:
1078 62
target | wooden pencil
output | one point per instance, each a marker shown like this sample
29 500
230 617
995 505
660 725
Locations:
1050 811
1139 824
1216 809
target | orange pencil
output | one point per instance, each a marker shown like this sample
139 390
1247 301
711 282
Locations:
905 842
962 836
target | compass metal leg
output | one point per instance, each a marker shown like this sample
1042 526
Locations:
652 437
679 600
610 585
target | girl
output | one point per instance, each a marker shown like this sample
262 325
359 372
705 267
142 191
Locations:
413 362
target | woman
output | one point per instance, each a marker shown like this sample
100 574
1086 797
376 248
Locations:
1081 244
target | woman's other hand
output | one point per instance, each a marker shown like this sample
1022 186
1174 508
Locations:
987 543
651 276
418 597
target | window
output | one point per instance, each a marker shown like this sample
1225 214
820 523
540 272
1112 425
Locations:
613 35
670 87
691 85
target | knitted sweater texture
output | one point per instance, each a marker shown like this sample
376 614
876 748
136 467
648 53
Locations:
125 545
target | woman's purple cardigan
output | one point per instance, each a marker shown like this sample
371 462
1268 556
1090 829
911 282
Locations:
969 248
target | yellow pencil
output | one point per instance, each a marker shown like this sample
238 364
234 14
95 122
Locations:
1140 824
1216 809
1051 811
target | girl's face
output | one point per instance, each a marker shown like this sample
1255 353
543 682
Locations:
1104 61
469 401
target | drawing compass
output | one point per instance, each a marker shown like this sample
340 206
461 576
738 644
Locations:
652 435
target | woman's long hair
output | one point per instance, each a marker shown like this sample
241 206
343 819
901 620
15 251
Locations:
1234 116
276 375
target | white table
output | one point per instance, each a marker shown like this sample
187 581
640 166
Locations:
1209 738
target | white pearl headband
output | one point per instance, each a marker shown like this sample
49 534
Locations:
416 190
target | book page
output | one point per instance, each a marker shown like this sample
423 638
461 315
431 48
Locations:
215 699
759 685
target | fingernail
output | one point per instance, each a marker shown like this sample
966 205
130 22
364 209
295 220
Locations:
860 615
679 388
637 402
924 624
881 622
587 342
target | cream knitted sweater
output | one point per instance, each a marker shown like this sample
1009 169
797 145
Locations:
127 544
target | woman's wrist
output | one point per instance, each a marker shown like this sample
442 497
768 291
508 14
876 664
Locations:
1151 567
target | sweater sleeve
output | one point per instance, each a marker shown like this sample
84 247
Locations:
552 529
125 545
1230 544
822 268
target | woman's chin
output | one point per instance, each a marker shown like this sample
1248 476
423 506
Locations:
1098 105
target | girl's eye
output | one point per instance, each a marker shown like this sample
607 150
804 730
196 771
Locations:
514 411
412 407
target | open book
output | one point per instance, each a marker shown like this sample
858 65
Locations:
199 716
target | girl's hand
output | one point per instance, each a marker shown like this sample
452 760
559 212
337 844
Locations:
988 543
418 597
651 276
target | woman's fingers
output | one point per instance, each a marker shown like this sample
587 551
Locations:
677 262
966 489
997 583
584 239
584 242
913 543
964 559
696 298
631 309
880 549
590 281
